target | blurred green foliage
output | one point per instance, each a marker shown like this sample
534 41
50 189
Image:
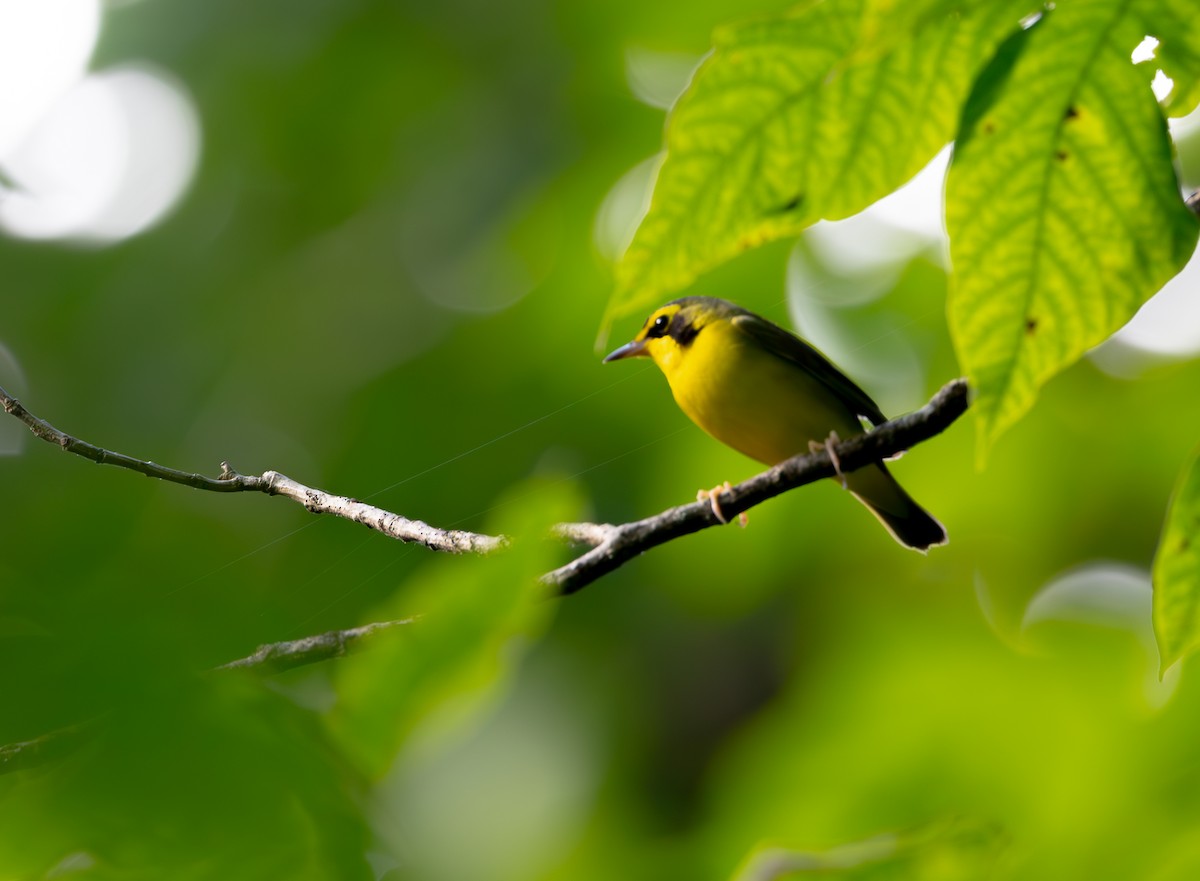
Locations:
472 616
384 283
1177 571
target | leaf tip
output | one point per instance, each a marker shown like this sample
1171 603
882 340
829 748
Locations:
1166 661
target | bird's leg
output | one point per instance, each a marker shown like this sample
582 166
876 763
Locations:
711 495
828 447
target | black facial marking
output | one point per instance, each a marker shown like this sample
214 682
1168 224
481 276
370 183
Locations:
682 330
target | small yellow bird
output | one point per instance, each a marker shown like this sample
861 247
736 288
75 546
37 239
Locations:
765 392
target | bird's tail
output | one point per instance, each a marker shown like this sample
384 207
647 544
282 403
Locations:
908 522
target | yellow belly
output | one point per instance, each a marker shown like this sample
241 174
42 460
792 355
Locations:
752 400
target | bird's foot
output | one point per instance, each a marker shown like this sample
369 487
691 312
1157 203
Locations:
828 447
713 495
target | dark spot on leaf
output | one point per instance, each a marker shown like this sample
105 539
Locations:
1030 325
1071 112
989 127
1060 155
1184 544
790 205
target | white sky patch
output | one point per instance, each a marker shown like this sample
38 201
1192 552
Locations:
90 157
66 168
163 144
1185 126
890 232
1144 50
917 206
1169 323
1161 85
107 160
45 46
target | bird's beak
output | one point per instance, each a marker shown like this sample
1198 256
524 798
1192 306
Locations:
633 349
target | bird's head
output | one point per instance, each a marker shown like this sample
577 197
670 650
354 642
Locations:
670 330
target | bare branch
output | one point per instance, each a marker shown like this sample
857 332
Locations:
453 541
276 657
612 546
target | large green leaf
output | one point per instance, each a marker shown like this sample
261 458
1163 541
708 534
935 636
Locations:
1177 572
1062 205
815 114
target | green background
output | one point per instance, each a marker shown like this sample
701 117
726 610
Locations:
383 282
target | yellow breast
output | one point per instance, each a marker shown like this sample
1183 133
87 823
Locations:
749 398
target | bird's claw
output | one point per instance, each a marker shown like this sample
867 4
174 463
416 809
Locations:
828 447
713 495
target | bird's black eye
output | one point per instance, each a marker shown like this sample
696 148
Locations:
659 327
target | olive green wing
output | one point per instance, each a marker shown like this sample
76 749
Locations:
791 348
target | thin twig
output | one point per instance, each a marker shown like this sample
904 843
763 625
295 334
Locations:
614 545
276 657
453 541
